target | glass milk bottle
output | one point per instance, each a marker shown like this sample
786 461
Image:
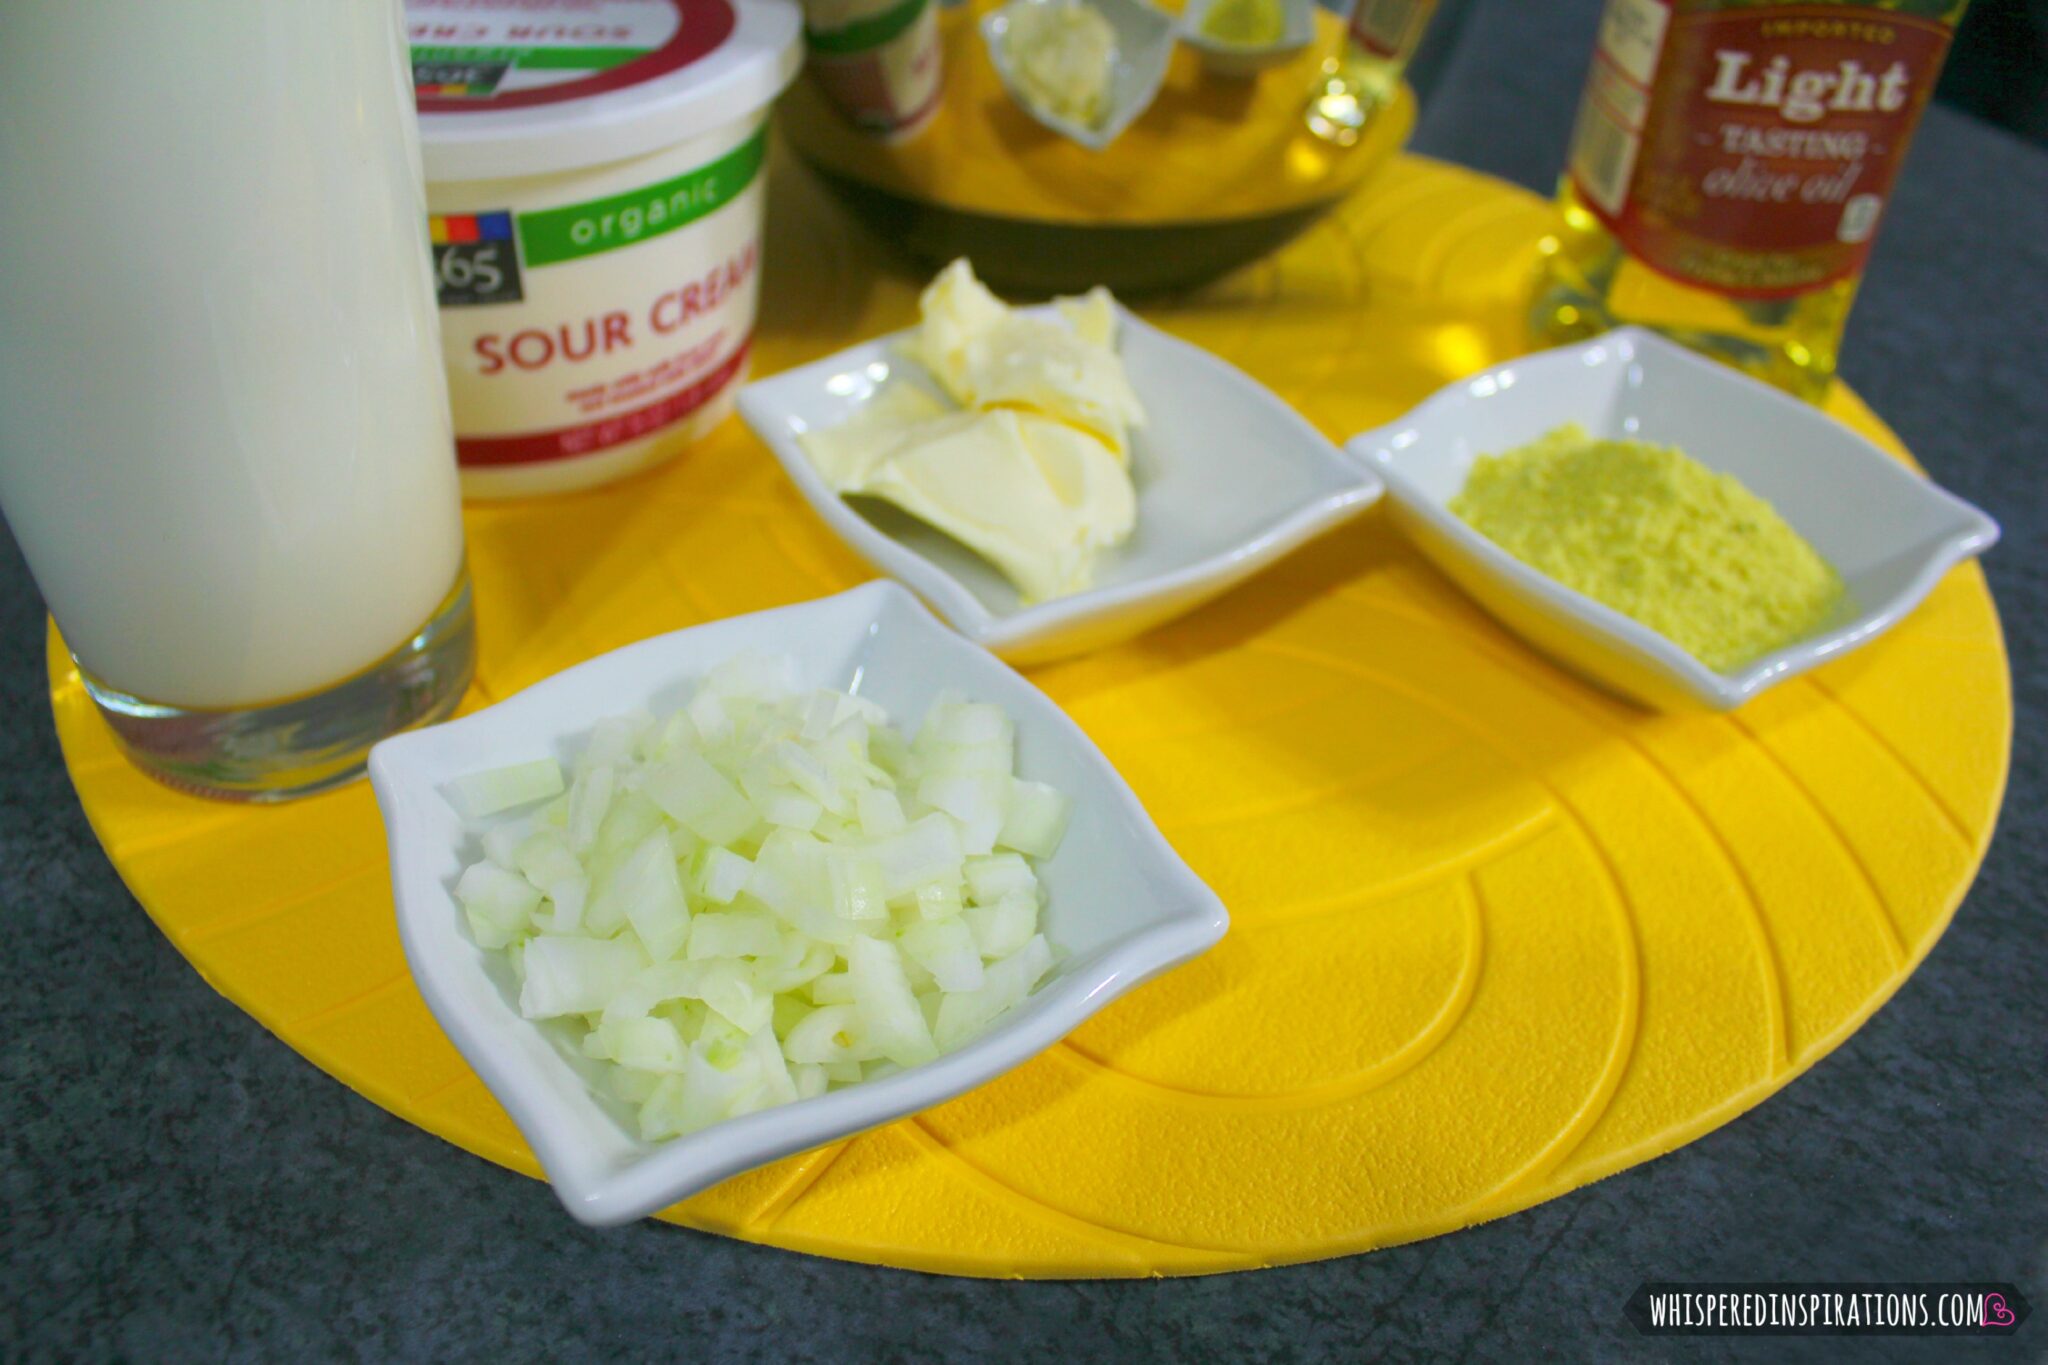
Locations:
224 436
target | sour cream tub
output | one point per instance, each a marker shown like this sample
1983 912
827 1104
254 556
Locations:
595 190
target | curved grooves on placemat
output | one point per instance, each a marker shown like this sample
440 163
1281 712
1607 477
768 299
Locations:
921 1133
1886 919
1402 1060
1891 751
1628 1026
1301 911
1777 986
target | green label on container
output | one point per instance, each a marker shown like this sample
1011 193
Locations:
621 220
864 34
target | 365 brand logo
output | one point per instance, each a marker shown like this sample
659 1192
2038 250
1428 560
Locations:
475 258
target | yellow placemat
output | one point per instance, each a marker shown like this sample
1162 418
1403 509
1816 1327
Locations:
1494 934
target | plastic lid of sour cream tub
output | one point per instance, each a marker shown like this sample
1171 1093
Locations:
527 87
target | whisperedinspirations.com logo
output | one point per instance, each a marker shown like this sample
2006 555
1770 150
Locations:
1673 1308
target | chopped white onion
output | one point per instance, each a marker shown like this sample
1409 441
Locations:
484 794
766 894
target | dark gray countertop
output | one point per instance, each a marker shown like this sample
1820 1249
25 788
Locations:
176 1183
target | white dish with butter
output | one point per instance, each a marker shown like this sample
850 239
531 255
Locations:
1120 905
1136 68
1228 477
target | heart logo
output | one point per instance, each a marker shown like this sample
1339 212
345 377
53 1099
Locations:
1996 1314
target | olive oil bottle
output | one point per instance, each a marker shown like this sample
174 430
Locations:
1730 166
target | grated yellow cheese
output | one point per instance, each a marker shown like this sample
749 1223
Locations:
1654 534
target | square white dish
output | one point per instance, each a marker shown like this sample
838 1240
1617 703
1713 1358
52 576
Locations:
1890 532
1229 479
1121 906
1144 46
1238 61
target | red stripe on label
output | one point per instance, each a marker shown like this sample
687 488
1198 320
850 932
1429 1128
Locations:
568 443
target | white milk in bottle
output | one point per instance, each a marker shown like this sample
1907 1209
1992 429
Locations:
224 436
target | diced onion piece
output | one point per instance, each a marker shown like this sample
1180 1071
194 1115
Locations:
649 894
879 812
574 975
804 772
791 810
693 793
590 799
965 1015
648 1044
978 801
926 851
946 949
726 985
615 739
789 878
890 1019
889 750
710 719
604 914
1036 820
969 723
630 820
991 878
478 796
778 1086
732 934
788 972
833 988
634 1087
498 904
1006 926
715 1090
824 1036
567 897
938 900
649 989
820 711
546 859
501 842
659 1117
722 874
677 732
856 881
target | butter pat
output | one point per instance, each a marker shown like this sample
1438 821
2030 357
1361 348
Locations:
849 454
1064 58
984 355
1033 496
1031 469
